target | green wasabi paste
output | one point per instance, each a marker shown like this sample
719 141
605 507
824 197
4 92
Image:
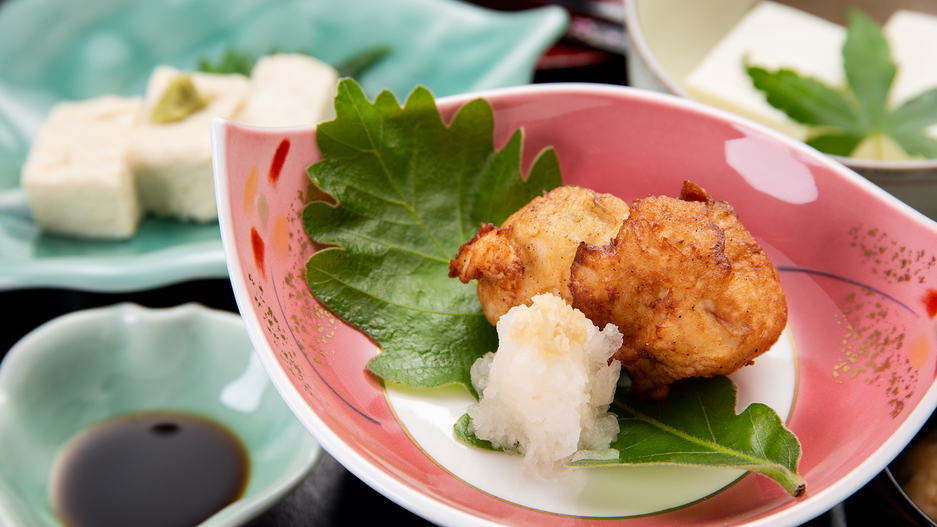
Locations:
179 101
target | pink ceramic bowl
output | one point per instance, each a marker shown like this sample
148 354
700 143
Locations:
853 377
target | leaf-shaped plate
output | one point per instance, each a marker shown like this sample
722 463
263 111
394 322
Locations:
111 47
855 263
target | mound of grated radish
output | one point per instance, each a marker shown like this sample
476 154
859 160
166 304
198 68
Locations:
546 392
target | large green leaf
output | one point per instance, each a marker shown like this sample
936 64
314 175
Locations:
410 191
697 425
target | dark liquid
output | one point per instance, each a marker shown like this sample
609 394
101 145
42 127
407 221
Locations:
149 469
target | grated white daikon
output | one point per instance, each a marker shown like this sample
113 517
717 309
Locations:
546 392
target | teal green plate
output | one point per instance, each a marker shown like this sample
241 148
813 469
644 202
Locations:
52 50
88 367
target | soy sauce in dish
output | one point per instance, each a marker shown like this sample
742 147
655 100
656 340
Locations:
159 469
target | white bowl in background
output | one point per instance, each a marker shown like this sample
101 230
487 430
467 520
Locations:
669 38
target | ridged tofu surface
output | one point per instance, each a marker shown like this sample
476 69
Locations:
77 176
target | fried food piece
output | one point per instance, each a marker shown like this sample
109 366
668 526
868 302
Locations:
532 251
687 285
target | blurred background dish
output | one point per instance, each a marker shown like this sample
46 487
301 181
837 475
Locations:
63 50
671 39
93 366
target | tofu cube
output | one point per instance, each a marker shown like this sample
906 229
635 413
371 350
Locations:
289 90
173 160
77 177
772 36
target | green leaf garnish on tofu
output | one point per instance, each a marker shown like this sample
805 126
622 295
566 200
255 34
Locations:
410 190
841 119
178 101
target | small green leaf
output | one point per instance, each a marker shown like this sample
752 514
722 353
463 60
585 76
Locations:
233 61
409 190
916 142
914 114
358 64
836 144
805 100
465 432
861 113
868 66
501 194
698 426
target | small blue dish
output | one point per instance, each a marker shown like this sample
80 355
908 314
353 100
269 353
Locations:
92 366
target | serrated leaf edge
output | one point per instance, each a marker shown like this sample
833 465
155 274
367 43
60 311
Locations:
791 481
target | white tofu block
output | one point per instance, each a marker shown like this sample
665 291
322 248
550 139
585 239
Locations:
912 38
289 90
77 177
772 36
173 161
